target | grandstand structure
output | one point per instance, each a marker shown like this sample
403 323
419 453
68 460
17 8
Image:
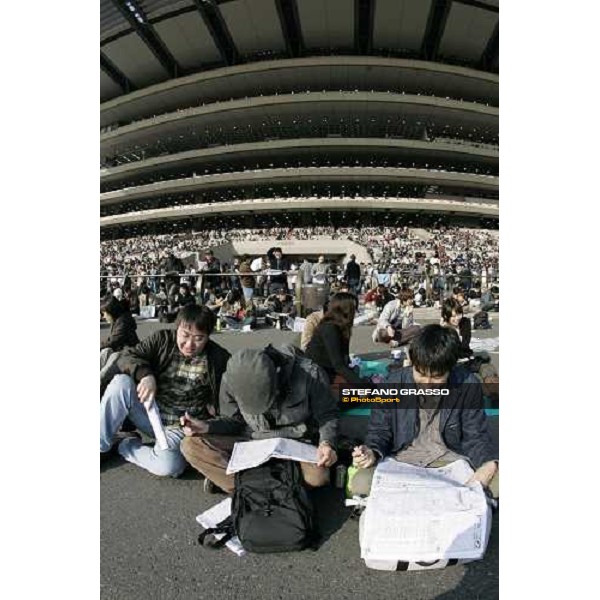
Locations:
261 113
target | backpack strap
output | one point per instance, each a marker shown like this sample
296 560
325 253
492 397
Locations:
225 527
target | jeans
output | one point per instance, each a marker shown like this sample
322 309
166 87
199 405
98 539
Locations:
248 293
354 285
121 400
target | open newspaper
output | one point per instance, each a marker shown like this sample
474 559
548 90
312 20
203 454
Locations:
257 452
425 514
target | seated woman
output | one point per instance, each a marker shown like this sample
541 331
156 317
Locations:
452 318
122 335
122 326
311 324
235 311
329 346
377 297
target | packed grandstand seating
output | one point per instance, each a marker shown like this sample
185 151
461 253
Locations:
392 249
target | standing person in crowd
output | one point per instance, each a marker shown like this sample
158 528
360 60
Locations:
321 272
281 265
247 281
234 280
329 346
292 278
396 323
306 268
262 281
288 397
181 372
430 431
173 267
352 275
212 266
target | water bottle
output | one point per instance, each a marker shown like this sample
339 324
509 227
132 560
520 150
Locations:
340 476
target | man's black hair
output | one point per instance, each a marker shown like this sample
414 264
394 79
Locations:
200 316
435 350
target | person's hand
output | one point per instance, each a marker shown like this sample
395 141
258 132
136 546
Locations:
390 331
326 455
363 457
192 426
485 473
146 388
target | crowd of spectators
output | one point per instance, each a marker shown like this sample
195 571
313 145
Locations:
450 255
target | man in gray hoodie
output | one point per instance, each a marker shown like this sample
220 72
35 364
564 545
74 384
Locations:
264 394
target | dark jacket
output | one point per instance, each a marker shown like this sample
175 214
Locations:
283 264
287 306
464 328
463 423
307 410
153 355
122 333
352 271
330 351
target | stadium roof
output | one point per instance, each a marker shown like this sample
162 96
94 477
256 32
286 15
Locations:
146 42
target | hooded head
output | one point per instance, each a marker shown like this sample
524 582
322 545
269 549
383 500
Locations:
252 379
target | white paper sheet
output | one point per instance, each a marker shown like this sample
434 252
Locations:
157 426
484 344
213 516
246 455
423 514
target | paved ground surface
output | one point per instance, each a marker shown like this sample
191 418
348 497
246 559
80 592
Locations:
148 534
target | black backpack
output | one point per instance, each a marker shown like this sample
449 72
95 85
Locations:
481 320
271 510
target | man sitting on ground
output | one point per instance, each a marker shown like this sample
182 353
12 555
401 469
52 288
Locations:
396 322
437 430
181 371
266 394
281 310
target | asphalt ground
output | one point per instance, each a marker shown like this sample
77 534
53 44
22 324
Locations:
149 532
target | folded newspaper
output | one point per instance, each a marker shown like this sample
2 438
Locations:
424 514
246 455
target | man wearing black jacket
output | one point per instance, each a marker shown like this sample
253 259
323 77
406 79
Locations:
352 274
181 372
431 431
277 262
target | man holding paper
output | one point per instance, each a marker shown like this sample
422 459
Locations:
266 394
431 430
167 375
